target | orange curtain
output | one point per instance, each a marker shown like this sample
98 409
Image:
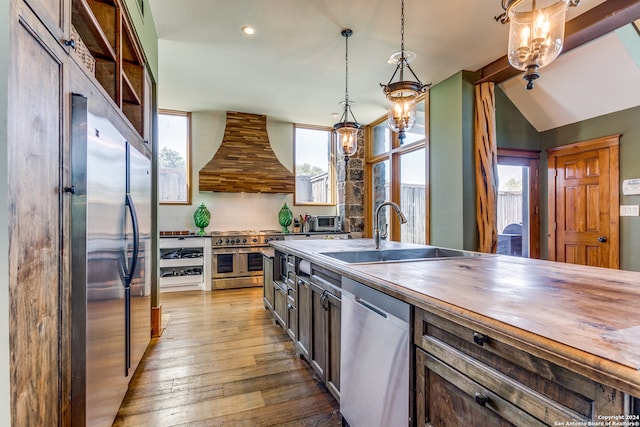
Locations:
486 160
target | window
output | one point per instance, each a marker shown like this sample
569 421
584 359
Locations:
174 158
398 172
313 162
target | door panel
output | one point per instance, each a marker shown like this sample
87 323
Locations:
35 217
583 202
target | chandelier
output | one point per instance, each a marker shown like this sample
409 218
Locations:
347 131
536 33
402 94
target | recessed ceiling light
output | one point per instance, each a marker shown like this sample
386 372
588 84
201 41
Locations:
249 30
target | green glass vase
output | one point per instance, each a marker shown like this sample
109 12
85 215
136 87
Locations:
285 217
201 218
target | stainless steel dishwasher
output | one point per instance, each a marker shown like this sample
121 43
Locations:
374 358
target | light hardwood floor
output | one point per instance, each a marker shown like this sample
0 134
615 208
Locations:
221 361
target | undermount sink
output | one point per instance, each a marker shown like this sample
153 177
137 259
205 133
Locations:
384 255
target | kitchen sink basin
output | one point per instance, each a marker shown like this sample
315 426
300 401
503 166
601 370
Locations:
384 255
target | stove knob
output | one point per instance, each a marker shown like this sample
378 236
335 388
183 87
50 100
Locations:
227 241
255 240
219 241
244 240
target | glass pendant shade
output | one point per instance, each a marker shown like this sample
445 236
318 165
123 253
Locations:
401 105
347 138
347 131
536 34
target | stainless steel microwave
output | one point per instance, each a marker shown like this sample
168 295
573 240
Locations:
325 223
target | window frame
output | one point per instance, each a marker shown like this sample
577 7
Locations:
331 165
186 114
394 155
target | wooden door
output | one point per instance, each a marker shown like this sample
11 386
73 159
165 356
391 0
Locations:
584 203
38 244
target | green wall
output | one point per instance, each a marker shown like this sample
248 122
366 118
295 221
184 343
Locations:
513 130
452 178
146 30
626 124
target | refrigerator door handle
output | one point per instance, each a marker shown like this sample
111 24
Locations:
136 241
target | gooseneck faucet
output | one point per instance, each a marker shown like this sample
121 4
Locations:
377 235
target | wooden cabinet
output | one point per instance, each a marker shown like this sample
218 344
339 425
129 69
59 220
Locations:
42 73
54 14
280 304
39 281
307 305
267 280
291 288
324 328
333 312
469 375
109 50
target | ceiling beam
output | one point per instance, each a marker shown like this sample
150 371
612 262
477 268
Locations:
594 23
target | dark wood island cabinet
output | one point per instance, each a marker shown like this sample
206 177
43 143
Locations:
306 303
497 341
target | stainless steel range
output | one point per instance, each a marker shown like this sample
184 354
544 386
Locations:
237 257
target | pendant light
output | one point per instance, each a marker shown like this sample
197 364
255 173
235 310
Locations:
402 94
347 132
536 33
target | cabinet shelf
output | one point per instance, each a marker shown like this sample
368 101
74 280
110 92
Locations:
105 29
90 30
181 262
132 86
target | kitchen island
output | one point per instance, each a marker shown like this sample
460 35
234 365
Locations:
530 342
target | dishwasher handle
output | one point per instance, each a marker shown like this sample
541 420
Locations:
371 307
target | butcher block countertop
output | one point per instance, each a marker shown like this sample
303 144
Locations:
584 318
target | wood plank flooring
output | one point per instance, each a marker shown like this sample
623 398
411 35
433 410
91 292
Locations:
221 361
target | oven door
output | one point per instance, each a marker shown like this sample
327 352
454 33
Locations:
250 261
225 263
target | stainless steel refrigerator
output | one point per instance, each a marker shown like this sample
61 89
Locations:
111 236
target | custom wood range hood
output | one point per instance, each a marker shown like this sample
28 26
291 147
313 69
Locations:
245 161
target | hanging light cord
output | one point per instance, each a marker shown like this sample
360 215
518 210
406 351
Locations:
402 62
346 72
346 33
402 58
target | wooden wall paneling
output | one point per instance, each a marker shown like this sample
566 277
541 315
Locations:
245 161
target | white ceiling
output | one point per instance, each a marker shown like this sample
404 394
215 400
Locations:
293 69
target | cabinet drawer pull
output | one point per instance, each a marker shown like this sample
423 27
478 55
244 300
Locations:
481 399
480 339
